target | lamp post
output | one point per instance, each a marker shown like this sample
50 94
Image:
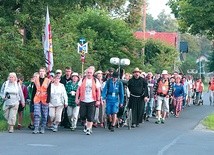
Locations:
119 62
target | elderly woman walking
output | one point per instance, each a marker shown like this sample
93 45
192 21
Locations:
73 108
12 95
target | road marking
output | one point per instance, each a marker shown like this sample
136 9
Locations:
166 147
41 145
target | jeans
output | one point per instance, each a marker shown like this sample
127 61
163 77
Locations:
149 107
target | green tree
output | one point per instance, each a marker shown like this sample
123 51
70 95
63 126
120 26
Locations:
134 14
160 56
107 38
194 16
210 64
163 23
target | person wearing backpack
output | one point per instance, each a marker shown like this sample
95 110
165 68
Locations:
162 91
113 94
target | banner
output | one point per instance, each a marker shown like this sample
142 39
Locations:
48 49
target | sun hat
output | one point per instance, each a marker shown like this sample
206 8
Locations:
136 70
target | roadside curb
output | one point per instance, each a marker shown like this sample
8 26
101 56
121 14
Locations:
203 128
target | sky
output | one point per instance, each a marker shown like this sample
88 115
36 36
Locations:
156 6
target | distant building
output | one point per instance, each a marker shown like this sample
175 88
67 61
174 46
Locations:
170 38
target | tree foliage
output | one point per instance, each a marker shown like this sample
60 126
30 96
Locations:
210 64
70 20
194 16
160 56
107 37
134 14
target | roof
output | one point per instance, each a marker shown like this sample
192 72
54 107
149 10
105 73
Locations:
169 38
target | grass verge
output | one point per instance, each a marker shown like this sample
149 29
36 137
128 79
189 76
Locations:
25 123
209 122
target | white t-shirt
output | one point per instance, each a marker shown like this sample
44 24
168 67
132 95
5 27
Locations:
88 89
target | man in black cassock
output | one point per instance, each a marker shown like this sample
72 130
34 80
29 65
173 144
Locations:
138 97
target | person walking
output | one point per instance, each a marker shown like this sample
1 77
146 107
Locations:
138 88
31 105
211 91
41 99
150 103
88 96
113 94
73 108
58 100
178 95
100 110
64 80
162 91
21 108
12 95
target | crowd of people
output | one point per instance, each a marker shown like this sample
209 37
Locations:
98 97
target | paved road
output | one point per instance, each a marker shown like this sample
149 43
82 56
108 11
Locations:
177 136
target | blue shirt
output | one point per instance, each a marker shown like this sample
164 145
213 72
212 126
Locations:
115 88
178 90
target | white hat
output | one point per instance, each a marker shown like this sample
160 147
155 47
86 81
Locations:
58 71
164 72
52 74
75 74
98 72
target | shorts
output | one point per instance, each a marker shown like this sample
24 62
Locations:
21 108
87 111
162 104
112 108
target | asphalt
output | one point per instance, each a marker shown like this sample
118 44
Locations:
184 135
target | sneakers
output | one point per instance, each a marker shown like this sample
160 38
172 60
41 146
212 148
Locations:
158 122
72 128
11 129
36 130
133 126
85 129
30 126
88 132
55 128
42 130
162 121
147 118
